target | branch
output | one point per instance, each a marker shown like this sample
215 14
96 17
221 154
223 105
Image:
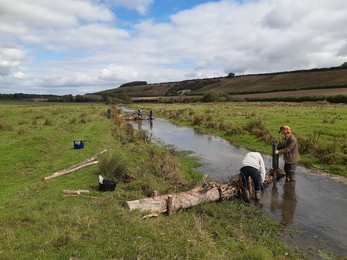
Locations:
88 162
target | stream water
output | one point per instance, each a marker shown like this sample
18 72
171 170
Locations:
315 205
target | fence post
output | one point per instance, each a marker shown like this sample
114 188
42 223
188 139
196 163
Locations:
274 159
169 205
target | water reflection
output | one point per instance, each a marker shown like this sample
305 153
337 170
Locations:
139 124
286 204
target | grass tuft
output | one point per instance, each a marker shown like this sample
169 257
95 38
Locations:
113 167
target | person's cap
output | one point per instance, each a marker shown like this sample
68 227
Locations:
284 128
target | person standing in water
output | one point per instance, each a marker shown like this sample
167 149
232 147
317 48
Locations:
290 150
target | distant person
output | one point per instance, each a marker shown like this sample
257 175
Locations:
150 115
139 112
290 150
252 166
109 113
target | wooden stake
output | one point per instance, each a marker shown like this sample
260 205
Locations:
169 205
71 192
154 193
76 192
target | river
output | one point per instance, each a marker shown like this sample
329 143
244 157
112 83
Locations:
315 205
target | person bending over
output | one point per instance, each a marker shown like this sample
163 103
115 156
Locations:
252 166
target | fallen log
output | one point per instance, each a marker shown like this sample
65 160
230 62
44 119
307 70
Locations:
207 192
90 159
183 200
64 172
87 162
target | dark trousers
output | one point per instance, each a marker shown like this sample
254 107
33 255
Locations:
290 169
248 171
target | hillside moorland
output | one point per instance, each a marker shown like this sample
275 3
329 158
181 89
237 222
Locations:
331 81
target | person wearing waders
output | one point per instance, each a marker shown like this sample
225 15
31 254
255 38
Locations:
150 115
252 166
290 151
139 112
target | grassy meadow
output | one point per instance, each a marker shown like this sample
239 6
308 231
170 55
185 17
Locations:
320 127
38 222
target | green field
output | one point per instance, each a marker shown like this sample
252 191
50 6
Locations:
318 126
38 222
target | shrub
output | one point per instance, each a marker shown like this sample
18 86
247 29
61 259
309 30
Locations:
5 127
113 167
48 122
215 96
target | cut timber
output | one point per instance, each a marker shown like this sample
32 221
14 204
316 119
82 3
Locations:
90 159
183 200
88 162
208 192
71 192
154 214
78 192
64 172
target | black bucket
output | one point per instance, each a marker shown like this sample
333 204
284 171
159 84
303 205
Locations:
107 185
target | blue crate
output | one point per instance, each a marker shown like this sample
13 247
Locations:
78 144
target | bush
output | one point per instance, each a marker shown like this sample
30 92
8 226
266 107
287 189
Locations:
113 167
215 96
5 127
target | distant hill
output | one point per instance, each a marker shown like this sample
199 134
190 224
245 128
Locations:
325 78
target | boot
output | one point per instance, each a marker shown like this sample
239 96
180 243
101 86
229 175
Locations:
258 204
293 177
245 195
257 194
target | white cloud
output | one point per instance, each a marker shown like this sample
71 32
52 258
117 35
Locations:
141 6
342 51
81 46
118 73
57 14
10 58
19 75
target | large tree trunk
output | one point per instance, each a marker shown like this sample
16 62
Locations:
185 199
212 191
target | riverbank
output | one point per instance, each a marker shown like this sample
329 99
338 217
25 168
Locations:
318 127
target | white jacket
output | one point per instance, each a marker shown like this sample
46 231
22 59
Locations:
255 160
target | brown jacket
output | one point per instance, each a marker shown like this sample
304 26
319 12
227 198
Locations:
289 149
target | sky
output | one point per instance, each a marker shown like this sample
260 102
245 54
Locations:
84 46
